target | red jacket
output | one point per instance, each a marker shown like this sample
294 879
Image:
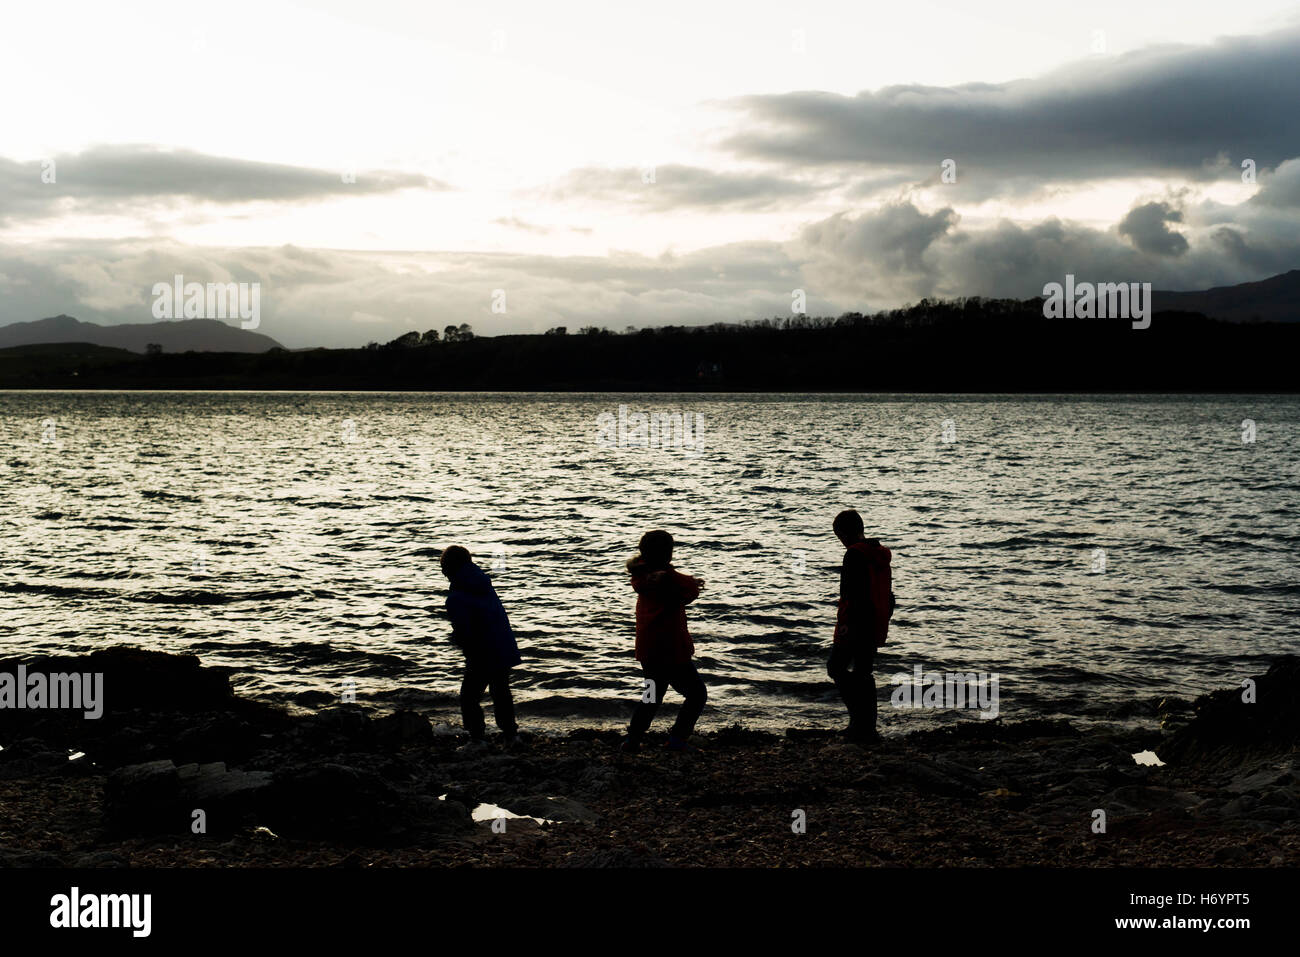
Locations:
662 595
866 595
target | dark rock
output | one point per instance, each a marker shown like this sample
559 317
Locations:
347 723
443 818
402 729
143 797
464 796
1281 797
561 809
1174 714
321 799
340 802
225 736
32 757
1136 800
80 766
228 798
1261 779
1227 730
138 679
155 705
159 797
1274 814
938 777
735 734
1239 806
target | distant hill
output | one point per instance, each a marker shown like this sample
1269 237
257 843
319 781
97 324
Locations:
181 335
1276 299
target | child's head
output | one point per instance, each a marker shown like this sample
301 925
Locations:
848 527
453 559
656 549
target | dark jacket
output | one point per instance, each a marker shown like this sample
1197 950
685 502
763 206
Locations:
479 626
662 639
866 597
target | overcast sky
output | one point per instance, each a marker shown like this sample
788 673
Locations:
635 164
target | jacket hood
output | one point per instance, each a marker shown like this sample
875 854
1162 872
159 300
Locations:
638 567
872 548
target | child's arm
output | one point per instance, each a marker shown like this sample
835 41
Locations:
689 587
669 586
856 589
460 617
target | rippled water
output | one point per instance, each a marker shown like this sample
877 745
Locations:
294 537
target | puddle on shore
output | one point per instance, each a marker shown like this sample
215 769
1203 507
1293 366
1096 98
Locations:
1148 758
490 812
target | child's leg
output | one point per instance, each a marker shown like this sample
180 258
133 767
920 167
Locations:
845 680
864 661
503 703
471 693
687 681
645 711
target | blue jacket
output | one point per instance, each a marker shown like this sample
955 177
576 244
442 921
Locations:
479 625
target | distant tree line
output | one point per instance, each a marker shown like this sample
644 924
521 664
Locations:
968 344
925 312
411 340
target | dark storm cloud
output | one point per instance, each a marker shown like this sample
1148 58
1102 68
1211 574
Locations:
1187 112
105 177
1147 226
898 253
893 237
680 187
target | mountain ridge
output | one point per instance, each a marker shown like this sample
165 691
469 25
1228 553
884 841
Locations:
1275 299
173 335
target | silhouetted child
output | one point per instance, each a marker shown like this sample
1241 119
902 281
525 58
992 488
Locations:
861 624
663 644
480 628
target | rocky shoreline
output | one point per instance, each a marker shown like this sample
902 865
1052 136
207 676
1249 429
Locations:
342 788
